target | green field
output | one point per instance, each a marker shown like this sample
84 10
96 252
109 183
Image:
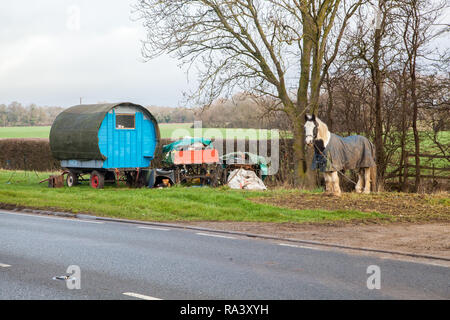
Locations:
167 130
172 204
24 132
427 146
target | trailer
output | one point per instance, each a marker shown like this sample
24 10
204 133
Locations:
109 142
193 159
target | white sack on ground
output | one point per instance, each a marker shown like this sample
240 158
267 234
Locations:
245 179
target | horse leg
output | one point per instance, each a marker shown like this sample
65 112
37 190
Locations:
366 180
328 183
336 188
358 187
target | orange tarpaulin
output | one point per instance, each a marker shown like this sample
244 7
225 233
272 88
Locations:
196 156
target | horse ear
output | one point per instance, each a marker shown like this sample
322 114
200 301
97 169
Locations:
306 117
313 117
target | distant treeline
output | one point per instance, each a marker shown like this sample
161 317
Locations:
16 114
244 110
173 115
240 111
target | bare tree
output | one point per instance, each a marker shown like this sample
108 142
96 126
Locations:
272 48
418 18
373 46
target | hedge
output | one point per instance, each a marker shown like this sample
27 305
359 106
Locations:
34 154
27 154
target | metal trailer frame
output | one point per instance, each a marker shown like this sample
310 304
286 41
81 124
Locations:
133 177
209 173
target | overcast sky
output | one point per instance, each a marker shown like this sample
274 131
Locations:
50 57
52 52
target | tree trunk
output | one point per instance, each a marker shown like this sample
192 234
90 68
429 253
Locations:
329 103
299 155
378 83
403 157
414 124
307 177
299 140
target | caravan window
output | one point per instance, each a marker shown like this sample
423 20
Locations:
125 121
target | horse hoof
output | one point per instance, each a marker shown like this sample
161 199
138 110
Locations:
337 194
366 192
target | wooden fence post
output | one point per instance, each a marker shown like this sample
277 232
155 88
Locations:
405 172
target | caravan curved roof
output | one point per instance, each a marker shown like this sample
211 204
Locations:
74 133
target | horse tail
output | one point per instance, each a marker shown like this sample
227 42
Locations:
373 170
373 178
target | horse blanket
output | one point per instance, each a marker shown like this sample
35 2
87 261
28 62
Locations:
347 153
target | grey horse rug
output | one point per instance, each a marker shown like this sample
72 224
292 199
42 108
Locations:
347 153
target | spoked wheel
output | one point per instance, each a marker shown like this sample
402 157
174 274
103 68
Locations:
130 179
135 179
216 175
224 176
72 179
97 180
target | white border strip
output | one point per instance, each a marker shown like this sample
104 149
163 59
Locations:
297 246
35 215
154 228
140 296
2 265
214 235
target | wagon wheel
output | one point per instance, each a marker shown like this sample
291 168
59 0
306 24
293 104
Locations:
110 177
97 180
141 182
224 177
129 179
72 179
216 175
204 179
177 175
134 181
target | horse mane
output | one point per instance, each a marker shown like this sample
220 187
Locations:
322 130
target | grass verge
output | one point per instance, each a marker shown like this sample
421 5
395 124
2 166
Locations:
173 204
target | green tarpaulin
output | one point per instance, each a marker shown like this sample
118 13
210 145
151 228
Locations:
179 144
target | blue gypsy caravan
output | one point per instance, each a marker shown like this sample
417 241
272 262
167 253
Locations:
107 141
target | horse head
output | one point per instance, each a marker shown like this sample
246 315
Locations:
316 131
311 129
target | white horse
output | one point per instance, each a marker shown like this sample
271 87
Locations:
333 153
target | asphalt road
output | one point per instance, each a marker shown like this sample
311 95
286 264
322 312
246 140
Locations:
127 261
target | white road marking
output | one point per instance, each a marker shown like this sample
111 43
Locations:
437 265
429 263
296 246
140 296
2 265
214 235
381 257
52 218
98 222
154 228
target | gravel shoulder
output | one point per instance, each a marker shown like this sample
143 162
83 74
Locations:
416 223
423 238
